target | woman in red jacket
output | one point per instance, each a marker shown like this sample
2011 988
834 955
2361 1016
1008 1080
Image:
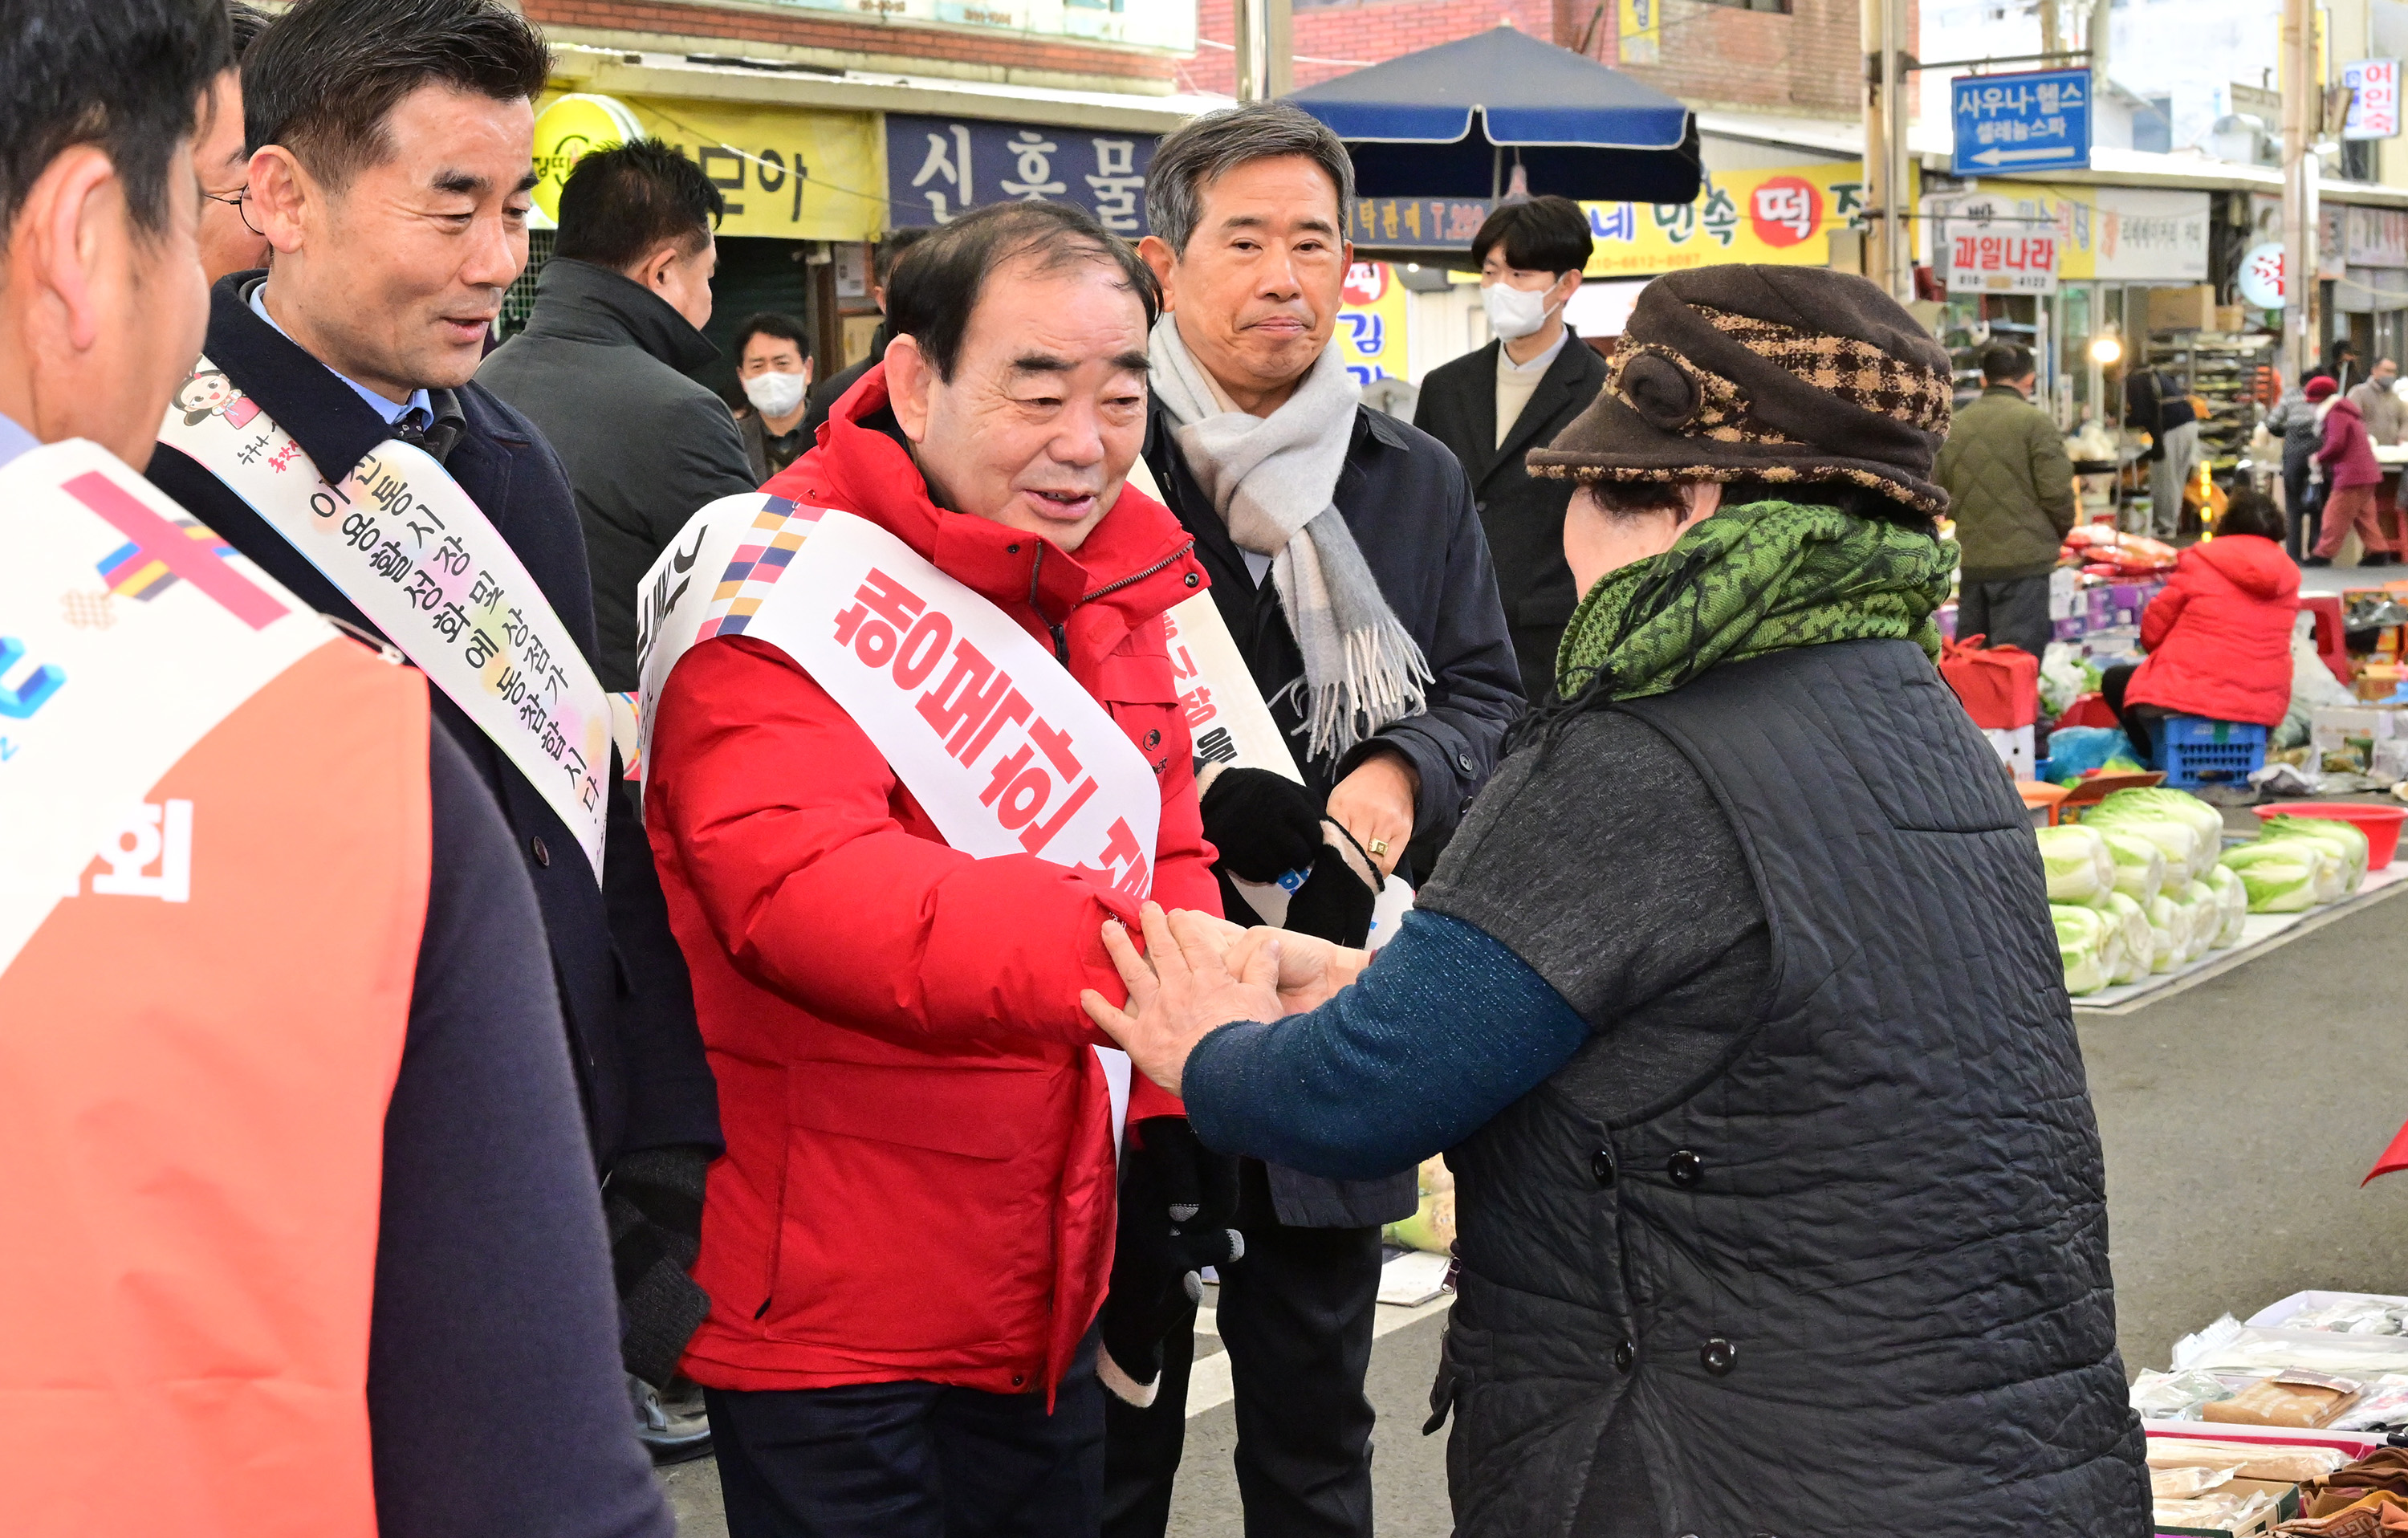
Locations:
2351 475
2219 635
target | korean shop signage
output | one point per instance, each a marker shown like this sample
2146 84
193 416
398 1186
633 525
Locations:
785 171
938 168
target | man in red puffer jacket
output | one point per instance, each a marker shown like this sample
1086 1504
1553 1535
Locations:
2220 634
908 1242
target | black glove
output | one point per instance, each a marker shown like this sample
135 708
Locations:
1265 825
653 1207
1176 1200
1335 902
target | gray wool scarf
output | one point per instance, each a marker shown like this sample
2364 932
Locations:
1271 479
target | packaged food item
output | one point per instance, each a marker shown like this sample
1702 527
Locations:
2176 1396
2181 1484
2362 1316
2292 1397
2229 1511
2289 1465
2384 1406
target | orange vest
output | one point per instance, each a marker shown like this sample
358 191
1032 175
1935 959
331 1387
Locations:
195 1055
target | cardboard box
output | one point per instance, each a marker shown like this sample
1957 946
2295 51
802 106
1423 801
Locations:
2332 726
2014 746
2231 319
2191 309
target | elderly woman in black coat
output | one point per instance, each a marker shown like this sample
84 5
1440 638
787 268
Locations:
1735 1003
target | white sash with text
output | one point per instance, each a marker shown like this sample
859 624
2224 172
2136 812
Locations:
127 632
997 742
423 563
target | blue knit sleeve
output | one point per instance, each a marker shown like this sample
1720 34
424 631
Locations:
1444 1029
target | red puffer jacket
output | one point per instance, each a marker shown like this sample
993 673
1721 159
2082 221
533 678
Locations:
920 1178
2219 634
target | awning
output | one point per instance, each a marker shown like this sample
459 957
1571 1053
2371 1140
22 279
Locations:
1451 121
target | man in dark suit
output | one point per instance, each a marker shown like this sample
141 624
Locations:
391 169
1514 395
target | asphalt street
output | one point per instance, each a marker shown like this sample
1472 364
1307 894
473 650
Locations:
2239 1115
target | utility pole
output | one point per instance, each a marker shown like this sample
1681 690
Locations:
1266 49
1883 28
2303 112
2052 38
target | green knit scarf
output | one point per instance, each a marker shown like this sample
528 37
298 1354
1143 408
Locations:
1763 577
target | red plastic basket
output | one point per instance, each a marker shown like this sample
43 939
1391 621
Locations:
2380 824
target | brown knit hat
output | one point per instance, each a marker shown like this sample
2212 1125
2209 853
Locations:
1766 373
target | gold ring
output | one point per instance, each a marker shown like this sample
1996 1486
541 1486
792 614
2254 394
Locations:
1378 847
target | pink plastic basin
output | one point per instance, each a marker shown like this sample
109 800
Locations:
2380 824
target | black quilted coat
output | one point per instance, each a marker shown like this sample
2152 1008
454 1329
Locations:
1850 1277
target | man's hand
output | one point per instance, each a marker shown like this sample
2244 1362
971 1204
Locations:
1376 803
1179 991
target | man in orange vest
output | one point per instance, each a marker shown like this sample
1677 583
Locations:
293 1140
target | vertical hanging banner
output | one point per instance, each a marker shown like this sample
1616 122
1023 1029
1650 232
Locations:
1638 31
1371 324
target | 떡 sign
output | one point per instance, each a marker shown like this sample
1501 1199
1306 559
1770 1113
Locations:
938 168
2374 99
2034 122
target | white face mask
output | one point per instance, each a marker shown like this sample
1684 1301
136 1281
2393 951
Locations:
1515 313
775 395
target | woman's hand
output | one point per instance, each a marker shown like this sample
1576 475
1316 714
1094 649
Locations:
1182 989
1309 968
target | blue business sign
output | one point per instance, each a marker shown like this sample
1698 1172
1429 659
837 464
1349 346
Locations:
2036 122
940 167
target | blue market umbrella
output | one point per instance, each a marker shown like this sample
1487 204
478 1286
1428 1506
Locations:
1453 121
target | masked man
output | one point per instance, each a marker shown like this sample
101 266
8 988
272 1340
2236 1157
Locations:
1356 614
293 1139
331 433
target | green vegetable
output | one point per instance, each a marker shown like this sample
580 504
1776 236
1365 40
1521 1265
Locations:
2203 915
2090 944
2278 874
2234 898
2175 838
2078 865
2140 865
2140 941
2166 932
2347 840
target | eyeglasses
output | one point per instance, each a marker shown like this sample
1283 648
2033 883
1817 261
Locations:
234 200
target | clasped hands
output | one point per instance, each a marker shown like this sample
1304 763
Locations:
1200 974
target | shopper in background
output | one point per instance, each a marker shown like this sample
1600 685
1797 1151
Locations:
2300 418
2218 636
2352 474
2340 363
907 1244
881 271
603 366
228 243
2378 402
2011 491
295 1150
1349 569
1516 392
2155 404
773 364
1771 1143
396 143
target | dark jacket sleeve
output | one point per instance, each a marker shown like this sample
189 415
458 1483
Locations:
496 1405
672 1098
1475 689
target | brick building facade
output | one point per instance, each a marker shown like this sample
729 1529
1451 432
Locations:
836 42
1804 62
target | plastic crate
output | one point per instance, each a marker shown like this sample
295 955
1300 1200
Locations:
2194 750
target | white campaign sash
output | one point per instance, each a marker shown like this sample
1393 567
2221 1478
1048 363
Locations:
127 632
400 539
993 737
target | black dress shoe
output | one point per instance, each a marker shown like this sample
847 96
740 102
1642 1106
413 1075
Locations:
673 1430
2318 560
